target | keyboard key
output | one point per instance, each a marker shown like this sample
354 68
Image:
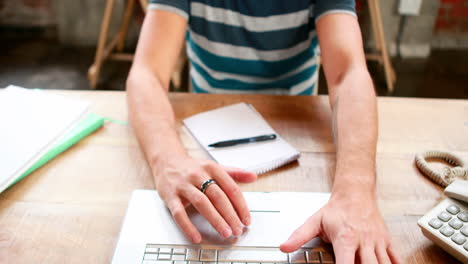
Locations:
151 250
193 254
435 223
178 251
247 255
464 230
195 262
178 257
165 250
164 257
208 255
150 262
453 209
459 239
456 223
297 257
313 256
447 231
463 216
466 246
180 262
326 257
151 256
444 216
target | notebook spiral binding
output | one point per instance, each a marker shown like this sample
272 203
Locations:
264 168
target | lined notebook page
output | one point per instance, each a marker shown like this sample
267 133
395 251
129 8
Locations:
240 121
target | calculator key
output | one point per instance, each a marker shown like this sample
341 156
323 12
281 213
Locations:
453 209
435 223
456 223
463 216
444 216
447 231
464 230
459 239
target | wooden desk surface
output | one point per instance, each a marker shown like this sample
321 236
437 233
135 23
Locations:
71 210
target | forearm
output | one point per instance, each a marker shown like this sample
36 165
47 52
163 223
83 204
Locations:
152 117
355 129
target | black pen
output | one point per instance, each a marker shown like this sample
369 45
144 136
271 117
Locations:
233 142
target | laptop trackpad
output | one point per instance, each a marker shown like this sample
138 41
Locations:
272 221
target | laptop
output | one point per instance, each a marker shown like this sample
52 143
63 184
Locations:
150 236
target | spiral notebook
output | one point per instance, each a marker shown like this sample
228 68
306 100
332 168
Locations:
240 121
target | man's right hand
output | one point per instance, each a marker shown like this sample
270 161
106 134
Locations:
178 180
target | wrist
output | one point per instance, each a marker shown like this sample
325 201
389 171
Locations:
354 186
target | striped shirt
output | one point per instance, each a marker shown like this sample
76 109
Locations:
253 46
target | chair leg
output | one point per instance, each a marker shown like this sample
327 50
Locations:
144 5
94 70
390 76
371 6
125 24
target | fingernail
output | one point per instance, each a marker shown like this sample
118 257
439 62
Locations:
238 231
196 239
227 232
246 220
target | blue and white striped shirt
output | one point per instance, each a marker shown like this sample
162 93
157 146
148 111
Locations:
253 46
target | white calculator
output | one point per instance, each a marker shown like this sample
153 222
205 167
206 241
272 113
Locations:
447 223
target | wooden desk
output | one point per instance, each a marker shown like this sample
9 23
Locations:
71 210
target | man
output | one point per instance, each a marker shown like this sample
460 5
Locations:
266 46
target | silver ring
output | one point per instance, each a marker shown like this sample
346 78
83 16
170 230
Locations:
205 185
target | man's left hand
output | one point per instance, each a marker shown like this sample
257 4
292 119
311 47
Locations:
353 224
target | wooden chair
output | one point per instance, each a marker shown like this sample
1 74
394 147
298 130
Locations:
381 54
105 50
113 50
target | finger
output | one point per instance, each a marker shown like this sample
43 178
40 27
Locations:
241 175
394 256
204 206
224 207
232 190
367 254
382 255
344 253
181 218
302 235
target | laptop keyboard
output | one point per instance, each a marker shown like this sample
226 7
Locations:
178 254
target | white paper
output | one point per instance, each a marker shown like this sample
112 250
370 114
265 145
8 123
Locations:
31 121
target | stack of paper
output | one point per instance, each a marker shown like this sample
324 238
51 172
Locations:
33 122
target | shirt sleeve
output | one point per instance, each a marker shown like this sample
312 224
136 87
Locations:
180 7
324 7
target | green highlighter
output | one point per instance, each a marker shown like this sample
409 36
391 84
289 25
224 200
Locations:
85 127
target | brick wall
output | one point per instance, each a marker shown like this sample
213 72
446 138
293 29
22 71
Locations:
26 12
452 17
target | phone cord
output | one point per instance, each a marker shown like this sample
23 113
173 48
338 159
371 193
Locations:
447 175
